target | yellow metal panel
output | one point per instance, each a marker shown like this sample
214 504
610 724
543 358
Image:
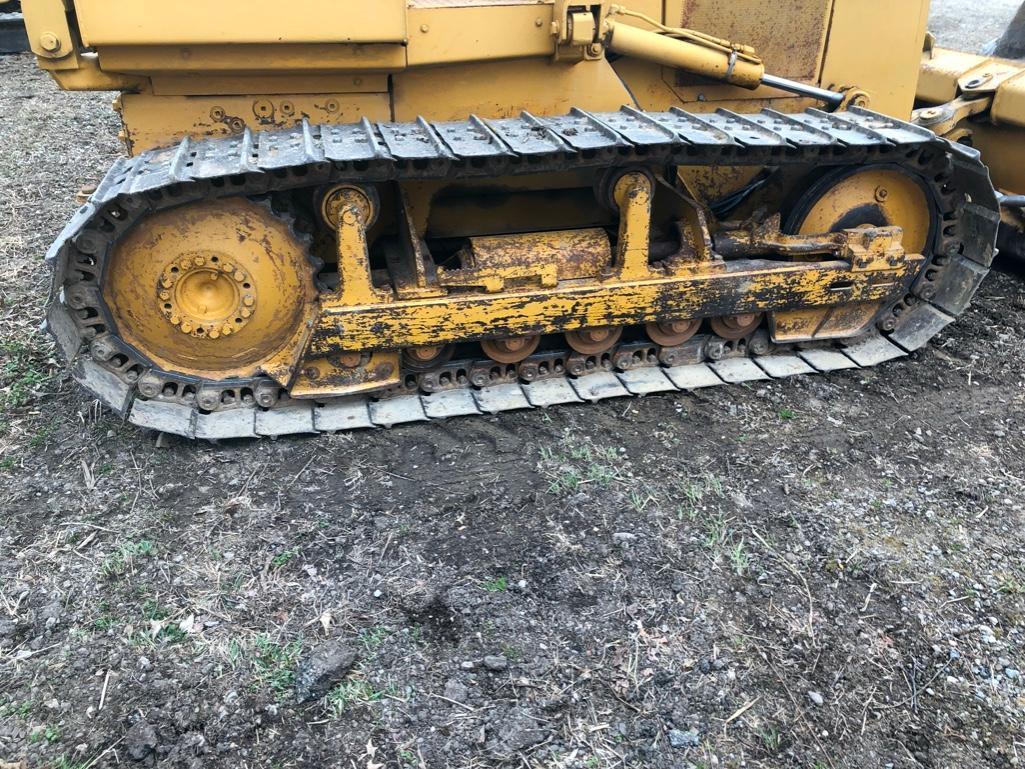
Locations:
49 34
1009 102
789 37
145 59
937 81
154 121
190 22
444 35
876 45
495 89
219 85
1004 153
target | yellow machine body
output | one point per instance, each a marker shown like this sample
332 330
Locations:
336 61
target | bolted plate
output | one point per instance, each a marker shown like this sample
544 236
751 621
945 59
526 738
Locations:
599 386
642 381
779 366
342 414
503 397
449 403
396 411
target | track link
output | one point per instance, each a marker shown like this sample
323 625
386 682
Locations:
255 164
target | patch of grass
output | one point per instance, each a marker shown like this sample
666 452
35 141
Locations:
372 638
511 653
1011 586
122 560
49 734
283 558
497 585
567 480
164 632
580 464
19 709
235 653
721 541
152 610
23 370
69 763
772 739
104 622
740 560
697 492
171 633
717 532
786 414
355 691
274 664
639 500
43 434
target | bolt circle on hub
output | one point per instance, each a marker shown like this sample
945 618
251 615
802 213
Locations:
206 295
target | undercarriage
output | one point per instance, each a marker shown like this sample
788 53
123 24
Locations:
335 276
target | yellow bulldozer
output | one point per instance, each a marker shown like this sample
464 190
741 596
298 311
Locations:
343 213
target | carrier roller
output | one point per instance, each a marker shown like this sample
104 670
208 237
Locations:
330 277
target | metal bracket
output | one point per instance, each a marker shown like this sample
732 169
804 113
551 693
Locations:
351 210
947 120
632 193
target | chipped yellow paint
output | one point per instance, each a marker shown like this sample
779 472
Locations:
704 290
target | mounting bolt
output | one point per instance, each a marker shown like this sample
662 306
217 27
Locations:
49 42
882 194
101 349
208 400
149 385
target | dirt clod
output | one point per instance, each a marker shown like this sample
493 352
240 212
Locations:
324 667
681 739
140 740
496 662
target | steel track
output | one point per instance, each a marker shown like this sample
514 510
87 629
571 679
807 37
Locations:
258 163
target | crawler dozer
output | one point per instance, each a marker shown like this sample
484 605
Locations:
344 213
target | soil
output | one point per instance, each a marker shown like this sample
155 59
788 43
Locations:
820 572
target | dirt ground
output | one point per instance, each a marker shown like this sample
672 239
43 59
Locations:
818 573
